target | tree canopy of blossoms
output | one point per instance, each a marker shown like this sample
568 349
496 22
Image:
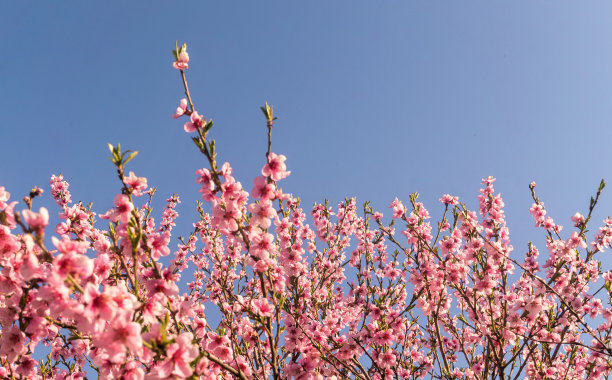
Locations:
328 293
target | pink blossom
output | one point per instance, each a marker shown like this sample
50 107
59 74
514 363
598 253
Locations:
12 343
275 168
27 367
119 336
36 221
30 267
398 208
70 246
74 264
196 121
180 110
178 357
263 213
182 61
158 243
123 209
387 359
4 197
262 245
449 200
225 216
137 184
262 189
578 219
98 305
263 308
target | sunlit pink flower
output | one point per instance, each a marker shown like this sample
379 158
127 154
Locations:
578 219
70 246
180 110
263 213
449 200
12 343
178 357
263 308
36 221
262 245
4 197
262 189
387 359
158 243
136 183
30 267
398 208
98 305
219 346
182 63
119 336
123 209
224 217
196 121
275 168
27 367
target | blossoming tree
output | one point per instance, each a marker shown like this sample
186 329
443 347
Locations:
346 295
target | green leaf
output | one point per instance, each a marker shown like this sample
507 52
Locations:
208 126
175 52
198 143
115 157
130 157
211 147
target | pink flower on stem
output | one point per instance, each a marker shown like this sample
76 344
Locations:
387 359
123 209
398 208
158 243
119 336
12 343
263 213
275 168
135 183
263 308
36 221
195 123
98 305
27 367
180 110
179 355
74 264
449 200
70 246
262 244
4 197
182 58
207 183
224 217
262 189
577 219
219 346
30 267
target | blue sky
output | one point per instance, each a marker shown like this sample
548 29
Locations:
375 100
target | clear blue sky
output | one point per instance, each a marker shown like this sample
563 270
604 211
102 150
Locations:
375 99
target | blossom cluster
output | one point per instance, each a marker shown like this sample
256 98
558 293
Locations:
328 293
